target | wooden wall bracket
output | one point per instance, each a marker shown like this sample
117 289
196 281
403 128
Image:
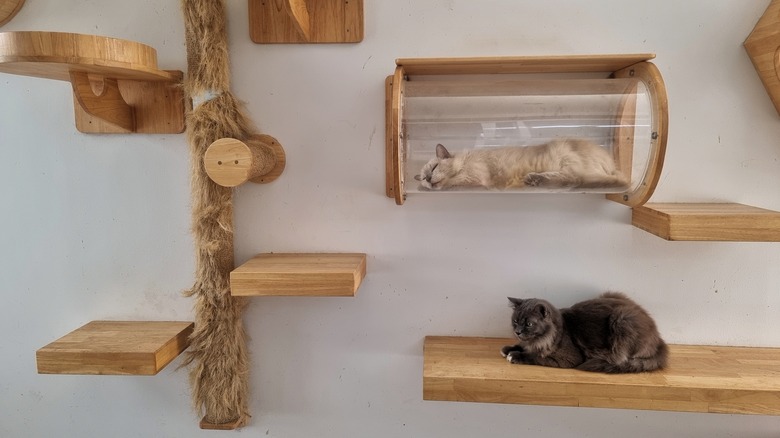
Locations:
306 21
230 162
763 47
117 87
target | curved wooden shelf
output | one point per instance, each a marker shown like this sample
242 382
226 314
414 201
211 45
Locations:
763 48
8 9
117 85
737 380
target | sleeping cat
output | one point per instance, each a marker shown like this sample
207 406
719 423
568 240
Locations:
609 334
560 163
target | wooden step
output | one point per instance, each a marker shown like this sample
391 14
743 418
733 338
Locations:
698 379
116 347
721 222
299 275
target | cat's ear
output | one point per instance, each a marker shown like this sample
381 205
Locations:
442 152
542 309
514 302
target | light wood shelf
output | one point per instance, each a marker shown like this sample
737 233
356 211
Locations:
306 21
737 380
116 347
117 86
8 9
313 274
762 46
230 162
712 222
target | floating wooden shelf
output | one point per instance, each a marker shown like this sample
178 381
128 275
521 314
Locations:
116 347
8 9
306 21
735 380
117 87
299 275
763 47
718 222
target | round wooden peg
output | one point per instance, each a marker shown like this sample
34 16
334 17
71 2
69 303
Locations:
230 162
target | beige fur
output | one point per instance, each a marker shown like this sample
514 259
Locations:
561 163
217 356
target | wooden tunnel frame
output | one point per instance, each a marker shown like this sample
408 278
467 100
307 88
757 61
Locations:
117 87
618 66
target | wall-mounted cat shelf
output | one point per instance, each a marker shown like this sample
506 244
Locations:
117 87
230 162
306 21
763 47
116 347
8 9
617 102
311 274
735 380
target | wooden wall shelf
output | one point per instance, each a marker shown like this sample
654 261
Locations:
116 347
306 21
714 222
763 47
299 275
117 87
736 380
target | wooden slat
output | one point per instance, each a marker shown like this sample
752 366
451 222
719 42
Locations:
762 45
299 275
698 379
309 21
116 347
718 222
521 64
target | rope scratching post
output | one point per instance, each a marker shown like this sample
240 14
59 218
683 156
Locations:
217 356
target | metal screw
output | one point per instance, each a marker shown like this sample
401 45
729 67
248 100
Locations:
654 136
625 197
631 73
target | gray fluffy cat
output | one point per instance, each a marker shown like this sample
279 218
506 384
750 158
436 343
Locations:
609 334
560 164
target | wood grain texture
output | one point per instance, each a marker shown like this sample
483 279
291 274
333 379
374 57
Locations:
521 64
763 48
107 105
306 21
116 347
698 379
313 274
233 425
397 134
8 9
389 157
53 55
230 162
712 222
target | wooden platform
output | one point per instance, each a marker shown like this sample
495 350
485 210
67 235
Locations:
299 275
116 347
699 379
721 222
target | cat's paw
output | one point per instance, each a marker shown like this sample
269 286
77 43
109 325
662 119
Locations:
515 357
505 350
534 180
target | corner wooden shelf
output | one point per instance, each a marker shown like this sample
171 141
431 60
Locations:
736 380
117 87
306 21
763 48
312 274
713 222
116 347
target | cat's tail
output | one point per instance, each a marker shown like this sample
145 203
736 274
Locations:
632 365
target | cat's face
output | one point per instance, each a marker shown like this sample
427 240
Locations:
533 322
439 173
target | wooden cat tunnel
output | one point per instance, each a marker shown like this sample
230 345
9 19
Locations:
617 102
230 162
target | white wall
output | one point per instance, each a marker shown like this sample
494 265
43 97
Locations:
96 226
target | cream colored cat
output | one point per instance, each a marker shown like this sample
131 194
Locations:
560 163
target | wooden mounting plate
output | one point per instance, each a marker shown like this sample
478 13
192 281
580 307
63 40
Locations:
737 380
233 425
281 159
8 9
330 21
116 347
710 222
